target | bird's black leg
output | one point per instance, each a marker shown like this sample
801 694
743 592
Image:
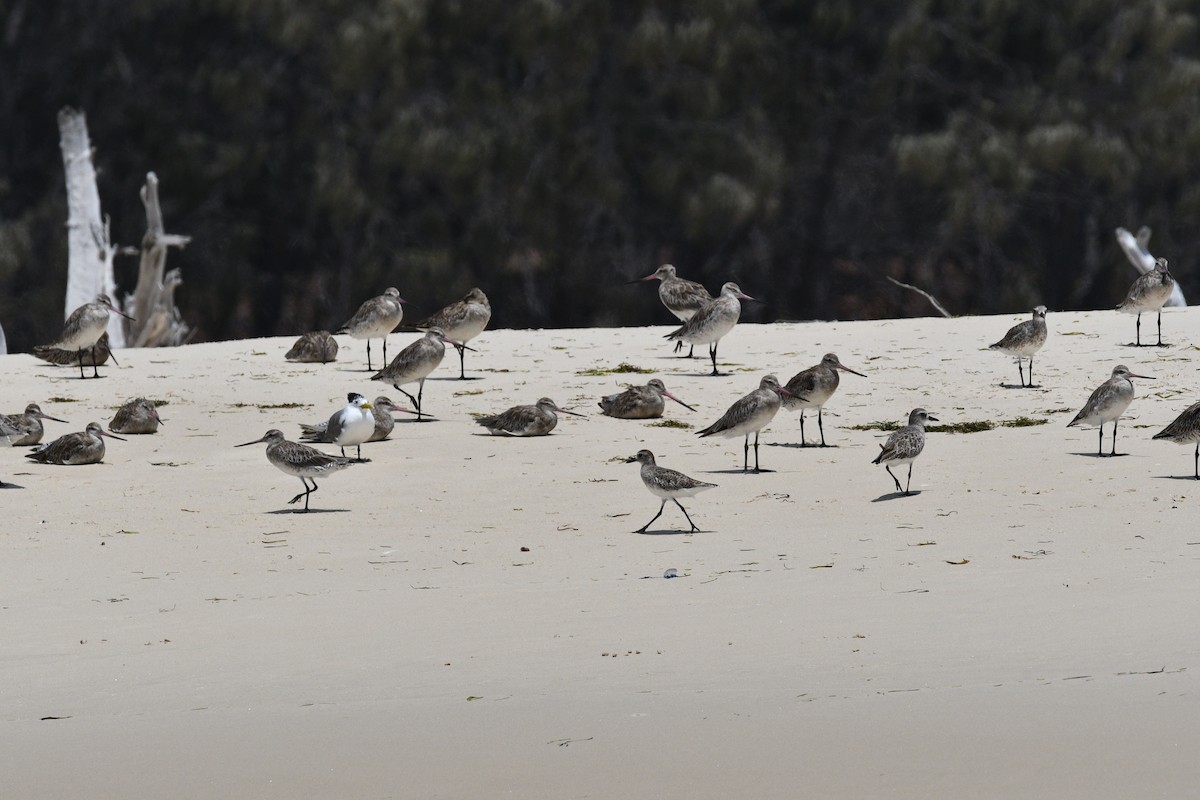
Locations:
1100 451
358 453
755 450
1031 372
691 351
81 375
821 425
678 345
415 401
656 516
462 363
96 369
746 454
385 361
712 353
684 510
894 478
803 442
1160 344
1197 461
1114 445
1021 372
908 483
420 393
1139 331
304 494
369 354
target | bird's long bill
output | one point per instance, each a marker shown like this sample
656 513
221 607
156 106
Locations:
113 356
1143 377
677 400
649 277
564 411
784 390
256 441
122 313
457 343
932 418
40 415
843 367
744 296
111 436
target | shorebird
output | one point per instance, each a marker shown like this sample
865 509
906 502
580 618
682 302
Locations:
666 484
463 321
682 298
314 347
414 363
813 387
8 437
68 358
1185 430
1023 340
136 416
84 447
300 460
349 426
749 415
375 319
381 409
27 424
713 321
1149 292
535 420
84 328
903 446
639 402
1107 403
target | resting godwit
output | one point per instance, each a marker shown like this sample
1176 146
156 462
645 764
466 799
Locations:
382 409
375 319
8 436
1023 340
136 416
1185 430
84 328
84 447
351 425
813 387
639 402
903 446
300 460
68 358
535 420
1149 292
749 415
1107 403
666 484
314 347
27 424
682 298
713 321
414 363
463 321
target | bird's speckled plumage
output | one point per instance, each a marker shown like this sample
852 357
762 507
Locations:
27 424
375 319
414 363
463 320
1107 403
300 461
137 416
315 347
1150 292
713 321
750 414
93 357
84 447
812 388
904 445
535 420
666 484
639 402
1023 340
1185 429
84 328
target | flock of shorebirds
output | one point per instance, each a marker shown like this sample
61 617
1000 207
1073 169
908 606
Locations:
705 321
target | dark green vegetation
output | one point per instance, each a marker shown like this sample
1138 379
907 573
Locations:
620 369
547 150
975 426
670 423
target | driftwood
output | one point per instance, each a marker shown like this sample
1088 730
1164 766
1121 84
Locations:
157 321
941 309
3 342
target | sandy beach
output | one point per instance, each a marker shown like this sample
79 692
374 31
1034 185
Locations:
469 616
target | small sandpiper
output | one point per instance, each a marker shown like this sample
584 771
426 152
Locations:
536 420
137 416
639 402
84 447
27 424
414 363
375 319
750 415
683 298
1107 403
97 356
903 446
299 460
1150 292
1023 340
710 324
813 387
316 347
463 321
382 409
1185 430
84 328
666 484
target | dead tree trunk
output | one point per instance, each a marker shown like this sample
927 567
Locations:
90 252
158 322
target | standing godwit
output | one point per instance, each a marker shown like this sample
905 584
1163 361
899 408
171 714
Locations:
666 484
1023 340
375 319
349 426
84 328
300 460
84 447
903 446
1185 430
463 321
639 402
1149 292
136 416
749 415
1107 403
535 420
68 358
382 409
713 321
314 347
414 363
682 298
27 424
813 387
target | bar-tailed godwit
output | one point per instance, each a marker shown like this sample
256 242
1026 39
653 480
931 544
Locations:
713 321
299 460
666 484
84 447
904 445
414 363
639 402
97 356
683 298
813 387
536 420
84 328
1185 430
749 415
1107 403
1150 292
463 321
315 347
375 319
1023 340
136 416
27 424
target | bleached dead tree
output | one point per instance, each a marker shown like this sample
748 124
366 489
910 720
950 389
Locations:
90 252
3 343
158 322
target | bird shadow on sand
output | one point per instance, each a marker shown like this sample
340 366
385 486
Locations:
310 511
895 496
1177 478
1019 386
665 532
800 445
1143 346
456 378
735 471
406 420
9 485
1101 455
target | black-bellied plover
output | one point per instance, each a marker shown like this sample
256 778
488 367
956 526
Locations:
84 328
813 387
375 319
315 347
1150 292
463 320
713 321
27 424
1185 430
904 445
83 447
683 298
639 402
1023 340
666 484
1107 403
299 460
749 415
535 420
414 363
136 416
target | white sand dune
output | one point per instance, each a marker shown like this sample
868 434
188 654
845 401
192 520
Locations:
1024 625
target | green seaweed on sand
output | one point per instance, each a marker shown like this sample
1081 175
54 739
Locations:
620 369
670 423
